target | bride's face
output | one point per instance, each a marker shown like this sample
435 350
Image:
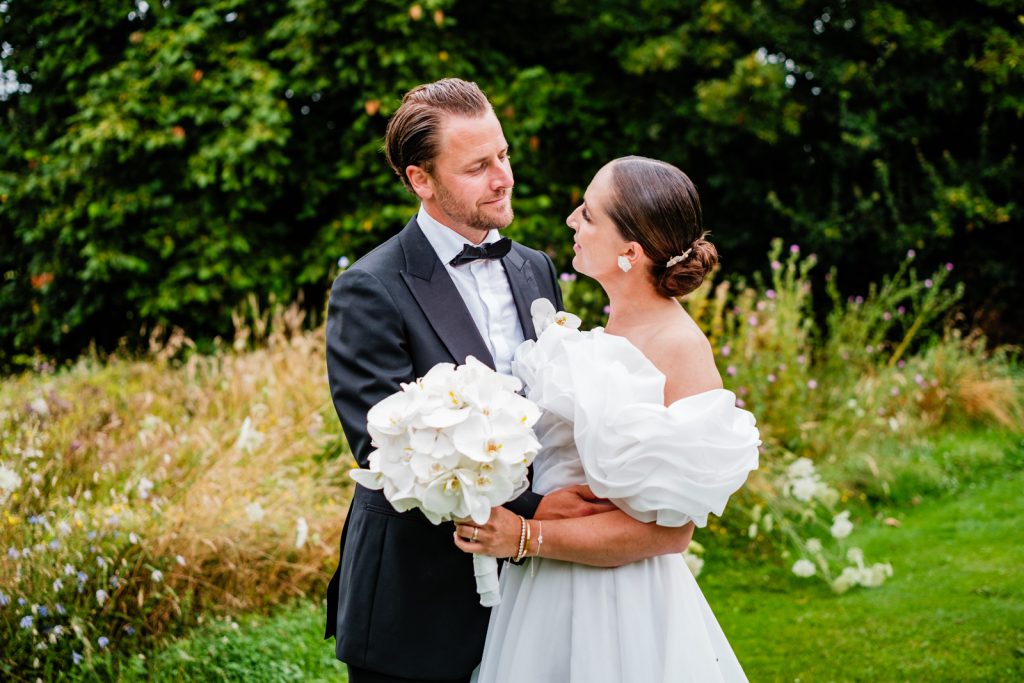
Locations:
597 241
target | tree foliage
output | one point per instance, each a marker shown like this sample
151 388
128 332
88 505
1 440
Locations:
159 162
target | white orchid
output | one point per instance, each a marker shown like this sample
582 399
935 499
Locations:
544 315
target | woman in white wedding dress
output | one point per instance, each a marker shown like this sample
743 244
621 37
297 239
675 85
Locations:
637 412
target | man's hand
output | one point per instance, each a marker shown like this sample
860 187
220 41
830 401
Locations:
572 501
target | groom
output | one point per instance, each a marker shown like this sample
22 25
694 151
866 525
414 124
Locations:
402 605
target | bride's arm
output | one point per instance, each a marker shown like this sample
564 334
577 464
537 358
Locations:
608 539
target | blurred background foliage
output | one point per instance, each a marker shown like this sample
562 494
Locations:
159 162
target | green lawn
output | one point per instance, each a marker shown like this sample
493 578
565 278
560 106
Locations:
953 611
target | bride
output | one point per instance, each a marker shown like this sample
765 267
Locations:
637 412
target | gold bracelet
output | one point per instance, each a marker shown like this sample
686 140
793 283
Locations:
526 548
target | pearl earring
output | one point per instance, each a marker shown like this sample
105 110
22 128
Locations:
624 264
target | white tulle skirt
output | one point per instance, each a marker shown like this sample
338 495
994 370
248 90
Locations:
645 622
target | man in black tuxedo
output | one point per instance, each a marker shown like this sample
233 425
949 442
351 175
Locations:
402 605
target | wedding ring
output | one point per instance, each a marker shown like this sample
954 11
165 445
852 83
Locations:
476 530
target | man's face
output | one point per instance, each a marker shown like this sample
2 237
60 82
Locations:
470 187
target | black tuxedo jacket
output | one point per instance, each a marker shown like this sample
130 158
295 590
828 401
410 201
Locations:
403 600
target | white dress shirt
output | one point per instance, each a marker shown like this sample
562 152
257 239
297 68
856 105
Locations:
484 287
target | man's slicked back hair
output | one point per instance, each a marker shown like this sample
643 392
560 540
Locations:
413 133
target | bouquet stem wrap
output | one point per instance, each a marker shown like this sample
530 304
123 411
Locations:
485 568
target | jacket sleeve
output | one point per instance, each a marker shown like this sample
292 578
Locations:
367 353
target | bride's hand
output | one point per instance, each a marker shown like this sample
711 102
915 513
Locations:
498 538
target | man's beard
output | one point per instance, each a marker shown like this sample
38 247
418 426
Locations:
471 216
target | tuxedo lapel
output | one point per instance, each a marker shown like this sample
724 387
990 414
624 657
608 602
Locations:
524 289
434 291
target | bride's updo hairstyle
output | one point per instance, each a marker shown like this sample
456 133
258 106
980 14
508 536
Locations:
655 204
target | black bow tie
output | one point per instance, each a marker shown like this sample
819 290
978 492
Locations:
494 250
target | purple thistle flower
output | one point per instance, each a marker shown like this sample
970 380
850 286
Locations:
949 267
919 380
812 384
776 265
731 371
911 253
740 403
567 277
887 316
928 283
771 379
607 310
770 294
752 321
794 249
726 350
901 364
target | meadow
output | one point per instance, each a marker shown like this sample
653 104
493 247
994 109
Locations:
178 513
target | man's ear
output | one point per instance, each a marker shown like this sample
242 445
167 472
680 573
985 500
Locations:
421 181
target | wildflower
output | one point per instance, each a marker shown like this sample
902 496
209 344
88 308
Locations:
869 349
949 267
254 511
60 609
9 482
919 380
770 294
114 581
794 249
902 364
43 612
57 585
928 283
607 310
731 371
752 321
101 596
814 545
129 630
26 622
855 555
740 403
39 406
901 309
103 641
911 254
776 265
144 487
887 316
157 576
726 350
803 568
812 384
841 525
895 391
771 378
180 560
54 544
76 658
4 600
301 532
858 300
694 563
82 577
567 277
133 538
13 553
21 602
343 262
248 438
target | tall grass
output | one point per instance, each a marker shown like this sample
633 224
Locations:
141 497
155 493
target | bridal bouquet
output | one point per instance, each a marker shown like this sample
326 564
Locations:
453 444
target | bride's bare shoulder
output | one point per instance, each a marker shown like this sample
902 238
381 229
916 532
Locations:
683 354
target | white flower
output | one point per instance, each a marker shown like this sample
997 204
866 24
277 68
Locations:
40 406
301 532
9 482
695 564
254 511
133 538
544 315
57 585
804 568
855 555
157 576
248 437
101 596
144 487
180 560
801 467
841 525
813 545
803 489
